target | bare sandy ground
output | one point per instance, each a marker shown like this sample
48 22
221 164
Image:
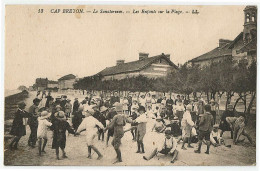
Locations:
76 149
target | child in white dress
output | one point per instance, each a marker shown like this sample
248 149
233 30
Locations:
43 124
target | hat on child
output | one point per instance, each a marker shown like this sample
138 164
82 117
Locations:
90 110
189 107
60 115
45 114
21 104
103 109
58 106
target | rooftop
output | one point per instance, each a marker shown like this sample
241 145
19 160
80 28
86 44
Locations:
67 77
215 53
134 66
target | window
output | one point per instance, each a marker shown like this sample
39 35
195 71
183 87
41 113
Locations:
247 18
160 60
253 17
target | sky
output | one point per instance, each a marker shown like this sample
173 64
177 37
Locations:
40 45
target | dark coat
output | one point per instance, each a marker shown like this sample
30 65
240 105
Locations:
48 101
169 102
224 126
33 119
77 119
59 128
62 104
18 128
114 99
110 116
75 106
101 118
175 129
134 116
206 122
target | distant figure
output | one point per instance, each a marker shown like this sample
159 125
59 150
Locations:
49 97
114 99
63 102
68 108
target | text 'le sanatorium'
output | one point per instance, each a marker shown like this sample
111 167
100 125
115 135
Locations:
143 11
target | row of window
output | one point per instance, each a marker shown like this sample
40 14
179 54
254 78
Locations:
250 17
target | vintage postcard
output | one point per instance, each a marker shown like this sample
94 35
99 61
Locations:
130 85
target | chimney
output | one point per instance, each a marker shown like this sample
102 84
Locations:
143 56
167 56
119 62
223 42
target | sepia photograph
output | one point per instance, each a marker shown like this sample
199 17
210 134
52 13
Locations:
130 85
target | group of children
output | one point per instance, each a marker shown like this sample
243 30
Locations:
178 119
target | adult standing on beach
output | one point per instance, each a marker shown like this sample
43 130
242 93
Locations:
18 128
118 122
33 122
75 105
48 97
115 98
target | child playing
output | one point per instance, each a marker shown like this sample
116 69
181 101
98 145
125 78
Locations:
159 126
59 127
149 112
133 128
187 125
214 136
43 124
168 147
175 128
141 129
68 108
89 124
239 129
102 119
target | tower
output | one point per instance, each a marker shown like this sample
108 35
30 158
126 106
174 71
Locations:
250 23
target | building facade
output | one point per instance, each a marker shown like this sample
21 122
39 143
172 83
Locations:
151 67
66 82
41 84
243 47
52 84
